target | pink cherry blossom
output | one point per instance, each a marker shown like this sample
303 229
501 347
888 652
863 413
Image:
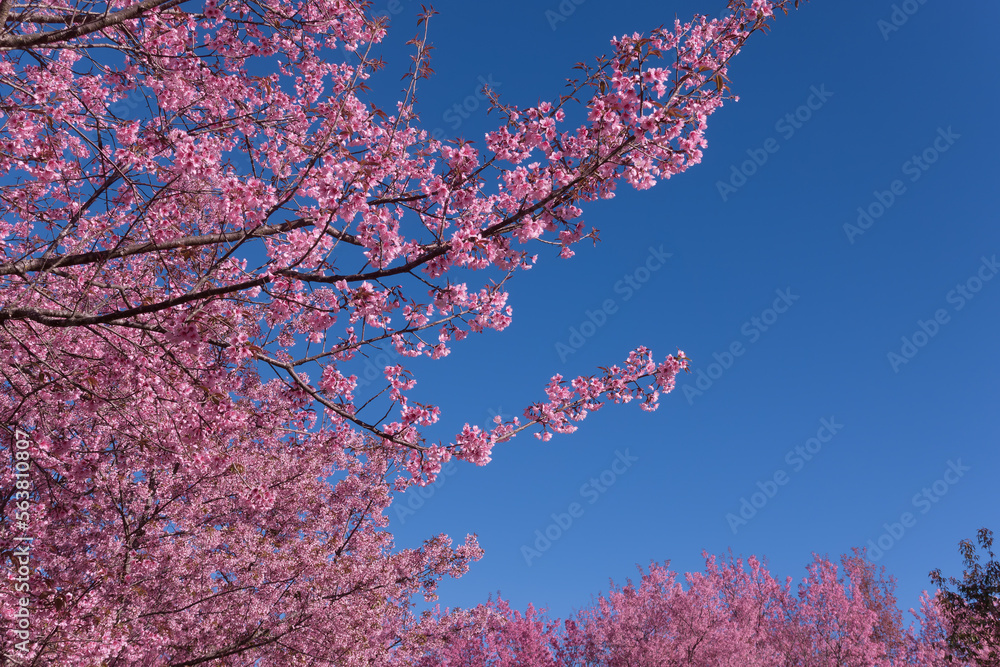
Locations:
206 221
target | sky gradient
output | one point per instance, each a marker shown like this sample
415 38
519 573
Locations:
829 268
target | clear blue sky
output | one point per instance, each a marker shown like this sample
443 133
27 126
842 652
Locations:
850 297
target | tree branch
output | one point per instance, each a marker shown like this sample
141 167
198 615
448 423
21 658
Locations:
4 12
11 42
24 266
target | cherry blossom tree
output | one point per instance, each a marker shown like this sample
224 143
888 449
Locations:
732 615
877 591
205 221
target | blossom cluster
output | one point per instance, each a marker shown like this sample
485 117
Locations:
194 256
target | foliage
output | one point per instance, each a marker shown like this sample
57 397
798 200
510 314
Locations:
973 607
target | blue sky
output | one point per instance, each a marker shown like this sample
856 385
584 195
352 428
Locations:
761 264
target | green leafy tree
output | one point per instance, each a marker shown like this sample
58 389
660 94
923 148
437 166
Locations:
973 607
